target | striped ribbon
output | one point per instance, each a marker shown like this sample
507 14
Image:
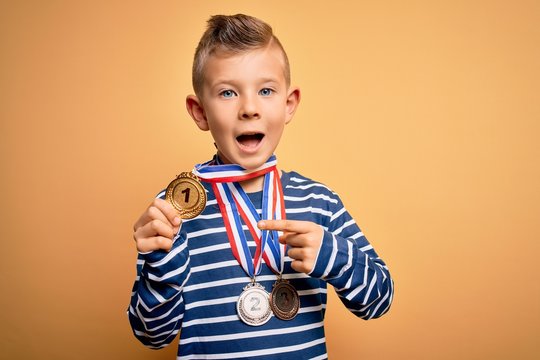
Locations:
236 206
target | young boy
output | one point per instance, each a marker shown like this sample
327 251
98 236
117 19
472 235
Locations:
224 278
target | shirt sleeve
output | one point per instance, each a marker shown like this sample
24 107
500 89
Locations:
157 308
347 261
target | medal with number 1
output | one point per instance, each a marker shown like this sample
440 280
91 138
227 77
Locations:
187 195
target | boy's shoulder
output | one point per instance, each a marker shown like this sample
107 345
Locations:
297 183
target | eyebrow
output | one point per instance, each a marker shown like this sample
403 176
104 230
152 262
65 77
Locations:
269 79
234 82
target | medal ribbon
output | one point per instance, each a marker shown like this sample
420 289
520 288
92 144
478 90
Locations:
235 205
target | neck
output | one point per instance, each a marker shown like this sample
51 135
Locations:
255 184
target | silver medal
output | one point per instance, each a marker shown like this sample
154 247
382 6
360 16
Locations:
253 305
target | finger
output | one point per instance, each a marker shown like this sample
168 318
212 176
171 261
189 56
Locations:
156 213
160 210
296 226
300 266
169 211
295 253
154 228
304 254
154 243
294 239
153 213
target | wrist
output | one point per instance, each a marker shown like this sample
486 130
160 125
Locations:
336 255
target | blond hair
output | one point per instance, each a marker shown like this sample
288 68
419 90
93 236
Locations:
233 34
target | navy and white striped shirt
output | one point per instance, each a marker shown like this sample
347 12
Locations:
193 289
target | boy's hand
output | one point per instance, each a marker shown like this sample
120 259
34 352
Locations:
156 227
303 239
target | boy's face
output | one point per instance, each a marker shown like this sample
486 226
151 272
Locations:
245 103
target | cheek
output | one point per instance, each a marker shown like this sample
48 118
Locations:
219 134
215 123
275 134
278 126
221 118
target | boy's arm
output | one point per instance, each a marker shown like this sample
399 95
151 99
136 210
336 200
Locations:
341 255
157 308
348 262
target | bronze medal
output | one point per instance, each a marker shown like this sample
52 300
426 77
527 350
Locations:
187 195
284 300
252 305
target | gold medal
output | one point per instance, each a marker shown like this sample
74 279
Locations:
284 300
187 195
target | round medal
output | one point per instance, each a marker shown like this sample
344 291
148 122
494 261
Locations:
252 306
284 300
187 195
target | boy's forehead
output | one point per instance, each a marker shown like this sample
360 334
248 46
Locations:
221 63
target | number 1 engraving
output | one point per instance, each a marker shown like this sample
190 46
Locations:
186 191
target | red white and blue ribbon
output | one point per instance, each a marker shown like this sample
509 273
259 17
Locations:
236 206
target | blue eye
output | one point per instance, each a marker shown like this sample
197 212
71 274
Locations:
227 93
266 92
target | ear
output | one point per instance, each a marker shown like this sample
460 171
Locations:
293 99
196 110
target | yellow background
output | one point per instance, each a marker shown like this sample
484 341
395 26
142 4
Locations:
423 115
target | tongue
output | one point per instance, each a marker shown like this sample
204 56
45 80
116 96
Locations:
249 140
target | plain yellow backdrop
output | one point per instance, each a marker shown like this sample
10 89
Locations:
423 115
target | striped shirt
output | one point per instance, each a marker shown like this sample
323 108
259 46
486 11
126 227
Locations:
193 289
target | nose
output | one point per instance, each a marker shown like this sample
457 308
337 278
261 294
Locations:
249 108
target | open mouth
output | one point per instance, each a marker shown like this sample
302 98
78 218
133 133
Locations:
250 140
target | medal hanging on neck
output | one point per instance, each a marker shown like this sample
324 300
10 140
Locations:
234 203
253 304
284 299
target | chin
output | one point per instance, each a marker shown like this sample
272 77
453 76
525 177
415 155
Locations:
253 162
